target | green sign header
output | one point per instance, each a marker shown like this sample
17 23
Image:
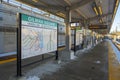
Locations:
78 28
37 20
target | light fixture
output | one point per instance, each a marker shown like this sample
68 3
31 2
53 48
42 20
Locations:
61 14
100 10
100 21
35 1
46 14
95 9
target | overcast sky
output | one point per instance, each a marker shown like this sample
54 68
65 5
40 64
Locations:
116 22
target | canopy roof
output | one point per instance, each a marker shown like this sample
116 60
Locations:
95 12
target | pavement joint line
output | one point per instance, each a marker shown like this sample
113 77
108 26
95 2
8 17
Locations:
8 60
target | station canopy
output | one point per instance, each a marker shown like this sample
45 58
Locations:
95 12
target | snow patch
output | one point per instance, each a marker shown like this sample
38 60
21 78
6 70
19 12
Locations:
98 62
33 78
116 51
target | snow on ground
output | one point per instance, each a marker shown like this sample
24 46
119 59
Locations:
33 78
7 54
115 49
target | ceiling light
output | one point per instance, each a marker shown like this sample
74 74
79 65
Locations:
35 1
100 10
95 9
46 14
60 14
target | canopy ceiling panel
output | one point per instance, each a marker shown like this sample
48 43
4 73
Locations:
74 1
111 5
105 6
30 2
53 2
94 22
87 10
76 15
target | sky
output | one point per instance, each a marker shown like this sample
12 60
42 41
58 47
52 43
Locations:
116 22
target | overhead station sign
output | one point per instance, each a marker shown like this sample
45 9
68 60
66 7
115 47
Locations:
97 27
39 36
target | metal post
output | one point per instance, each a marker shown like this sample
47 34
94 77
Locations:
1 1
56 58
75 40
42 56
19 71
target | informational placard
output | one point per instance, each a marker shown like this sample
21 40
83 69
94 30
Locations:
39 36
61 28
61 35
72 36
79 37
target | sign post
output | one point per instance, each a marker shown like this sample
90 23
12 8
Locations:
19 71
75 40
57 56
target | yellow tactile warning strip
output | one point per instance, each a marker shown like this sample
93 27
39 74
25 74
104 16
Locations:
59 49
8 60
13 59
114 66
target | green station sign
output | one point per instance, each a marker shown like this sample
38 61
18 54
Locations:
37 20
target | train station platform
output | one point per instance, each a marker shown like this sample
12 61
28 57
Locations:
91 65
98 63
59 40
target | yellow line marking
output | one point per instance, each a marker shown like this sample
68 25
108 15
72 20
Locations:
59 49
6 61
114 66
13 59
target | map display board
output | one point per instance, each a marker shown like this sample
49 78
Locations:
79 37
39 36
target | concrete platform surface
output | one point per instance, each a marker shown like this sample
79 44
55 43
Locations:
90 64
